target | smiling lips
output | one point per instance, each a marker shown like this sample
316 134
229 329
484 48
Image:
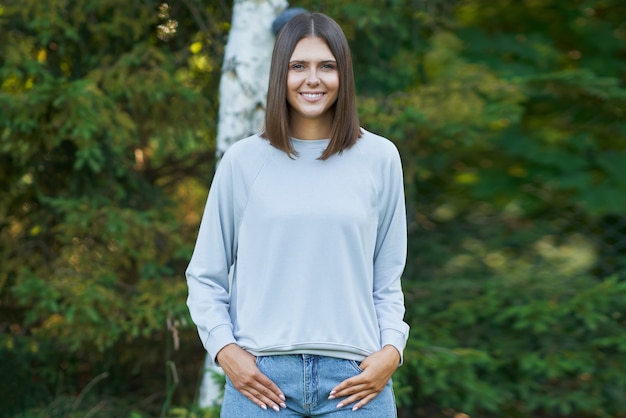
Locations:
312 96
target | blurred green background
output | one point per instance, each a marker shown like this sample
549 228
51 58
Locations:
510 116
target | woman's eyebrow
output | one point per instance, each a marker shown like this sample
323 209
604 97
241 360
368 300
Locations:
305 61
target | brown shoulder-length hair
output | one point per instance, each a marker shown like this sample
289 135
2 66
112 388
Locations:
345 129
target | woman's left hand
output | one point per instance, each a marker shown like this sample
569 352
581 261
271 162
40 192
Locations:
377 368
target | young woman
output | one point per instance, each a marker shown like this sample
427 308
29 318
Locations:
294 283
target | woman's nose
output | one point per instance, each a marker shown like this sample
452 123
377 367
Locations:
312 78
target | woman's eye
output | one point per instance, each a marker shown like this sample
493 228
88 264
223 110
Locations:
297 66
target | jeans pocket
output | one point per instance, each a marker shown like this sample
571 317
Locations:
356 365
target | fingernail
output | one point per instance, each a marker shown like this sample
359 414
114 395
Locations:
332 392
340 405
283 405
355 408
264 407
281 396
331 397
276 408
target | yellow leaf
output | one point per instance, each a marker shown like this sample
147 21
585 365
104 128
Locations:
195 47
466 178
41 55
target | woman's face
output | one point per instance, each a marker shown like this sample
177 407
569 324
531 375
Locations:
312 82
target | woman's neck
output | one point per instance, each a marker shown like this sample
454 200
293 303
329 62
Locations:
318 128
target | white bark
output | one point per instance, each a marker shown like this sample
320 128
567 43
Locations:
243 91
245 73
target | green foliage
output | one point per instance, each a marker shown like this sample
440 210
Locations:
194 413
533 344
105 131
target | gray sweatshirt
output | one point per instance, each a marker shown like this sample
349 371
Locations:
299 255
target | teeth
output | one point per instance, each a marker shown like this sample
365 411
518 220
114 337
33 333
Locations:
312 95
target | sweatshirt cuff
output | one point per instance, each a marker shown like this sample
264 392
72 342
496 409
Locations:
394 338
219 338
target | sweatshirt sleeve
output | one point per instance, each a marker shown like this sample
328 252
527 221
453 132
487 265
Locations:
390 256
208 271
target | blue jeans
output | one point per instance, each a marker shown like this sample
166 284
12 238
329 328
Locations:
306 381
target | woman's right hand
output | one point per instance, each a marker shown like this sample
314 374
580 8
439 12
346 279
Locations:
240 367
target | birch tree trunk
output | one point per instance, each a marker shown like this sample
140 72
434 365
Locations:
245 73
243 91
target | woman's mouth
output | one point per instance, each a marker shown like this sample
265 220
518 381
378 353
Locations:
312 96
